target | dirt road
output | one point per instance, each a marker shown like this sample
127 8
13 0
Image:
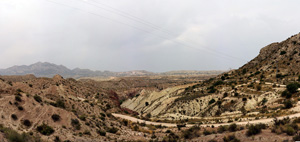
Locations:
265 121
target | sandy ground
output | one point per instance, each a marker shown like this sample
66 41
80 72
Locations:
265 121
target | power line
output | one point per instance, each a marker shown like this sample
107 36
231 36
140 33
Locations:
155 27
165 38
122 13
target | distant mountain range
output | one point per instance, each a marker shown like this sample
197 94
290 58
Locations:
45 69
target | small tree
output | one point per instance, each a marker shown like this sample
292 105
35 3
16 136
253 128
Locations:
253 130
37 98
55 117
293 87
232 127
288 104
45 129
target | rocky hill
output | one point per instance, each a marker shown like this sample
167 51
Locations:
255 89
53 109
277 61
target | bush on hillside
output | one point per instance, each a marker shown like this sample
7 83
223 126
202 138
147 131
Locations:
37 98
45 129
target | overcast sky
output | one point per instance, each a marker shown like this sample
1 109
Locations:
153 35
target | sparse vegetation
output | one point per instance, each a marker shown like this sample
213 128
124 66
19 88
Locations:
13 136
101 133
288 104
230 138
37 98
255 129
282 52
55 117
113 130
212 101
59 103
292 87
45 129
76 124
14 117
191 132
232 127
26 122
20 108
18 98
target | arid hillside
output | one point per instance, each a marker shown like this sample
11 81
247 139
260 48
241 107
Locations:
260 88
59 109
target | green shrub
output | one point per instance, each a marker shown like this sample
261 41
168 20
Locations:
101 133
76 124
45 129
212 101
206 132
232 127
218 83
221 129
244 71
191 132
60 103
171 138
283 121
292 87
20 108
55 117
230 138
290 130
253 130
256 73
27 123
82 117
37 98
13 136
288 104
212 89
18 99
264 101
296 137
86 132
258 87
102 114
282 52
113 130
14 117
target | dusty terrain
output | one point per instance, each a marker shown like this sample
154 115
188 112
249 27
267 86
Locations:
257 102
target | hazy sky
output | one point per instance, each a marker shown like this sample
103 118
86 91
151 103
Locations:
153 35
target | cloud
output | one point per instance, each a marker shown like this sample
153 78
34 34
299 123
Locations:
132 34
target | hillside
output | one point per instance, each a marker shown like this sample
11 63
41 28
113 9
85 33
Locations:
58 108
282 58
254 90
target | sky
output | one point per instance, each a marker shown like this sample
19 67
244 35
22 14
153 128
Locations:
153 35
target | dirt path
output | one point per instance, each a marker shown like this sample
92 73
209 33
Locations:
268 120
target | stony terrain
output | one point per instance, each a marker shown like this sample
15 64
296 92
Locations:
248 104
70 110
255 88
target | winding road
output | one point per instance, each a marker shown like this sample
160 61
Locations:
267 120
